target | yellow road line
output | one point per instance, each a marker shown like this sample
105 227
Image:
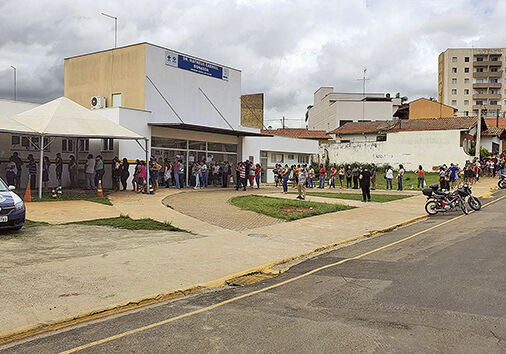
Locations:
288 281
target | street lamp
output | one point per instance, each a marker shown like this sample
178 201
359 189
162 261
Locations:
115 28
15 83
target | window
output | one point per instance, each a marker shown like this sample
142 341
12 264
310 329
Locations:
493 81
454 59
493 69
84 145
466 70
169 143
454 91
291 157
28 143
479 70
454 80
479 102
479 58
454 102
480 81
345 141
494 91
381 137
116 99
466 80
107 144
278 158
466 59
67 145
494 58
480 92
493 103
303 159
466 113
15 141
454 70
197 145
466 102
466 91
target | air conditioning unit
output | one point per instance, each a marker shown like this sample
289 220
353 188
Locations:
97 102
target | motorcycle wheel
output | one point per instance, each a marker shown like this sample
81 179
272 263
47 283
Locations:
463 207
502 183
474 203
430 207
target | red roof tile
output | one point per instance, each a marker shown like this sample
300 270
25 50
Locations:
492 122
298 133
493 131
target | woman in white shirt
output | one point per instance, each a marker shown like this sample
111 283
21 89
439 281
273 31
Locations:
400 175
389 176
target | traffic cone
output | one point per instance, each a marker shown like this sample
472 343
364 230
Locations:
28 192
100 193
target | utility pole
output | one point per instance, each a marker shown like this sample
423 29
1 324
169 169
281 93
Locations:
478 136
283 122
363 79
115 28
15 83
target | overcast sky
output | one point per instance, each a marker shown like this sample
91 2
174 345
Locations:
286 49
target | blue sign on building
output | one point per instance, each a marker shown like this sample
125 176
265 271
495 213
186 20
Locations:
195 65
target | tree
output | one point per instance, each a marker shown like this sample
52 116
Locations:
403 98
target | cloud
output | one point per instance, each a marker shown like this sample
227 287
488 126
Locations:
285 48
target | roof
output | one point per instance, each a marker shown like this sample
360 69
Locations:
298 133
494 131
492 122
455 123
64 117
434 102
206 129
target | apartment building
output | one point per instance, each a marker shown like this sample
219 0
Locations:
469 78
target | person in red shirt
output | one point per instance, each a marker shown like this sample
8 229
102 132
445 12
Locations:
323 175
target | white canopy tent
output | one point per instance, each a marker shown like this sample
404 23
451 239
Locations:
63 117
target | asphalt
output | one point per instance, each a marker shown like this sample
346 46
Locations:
440 291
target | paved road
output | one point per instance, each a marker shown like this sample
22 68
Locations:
442 290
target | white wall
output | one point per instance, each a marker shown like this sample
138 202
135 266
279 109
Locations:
411 149
181 89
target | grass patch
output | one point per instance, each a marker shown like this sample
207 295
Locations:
90 196
285 209
127 223
378 198
30 223
410 180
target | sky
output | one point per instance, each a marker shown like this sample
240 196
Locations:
286 49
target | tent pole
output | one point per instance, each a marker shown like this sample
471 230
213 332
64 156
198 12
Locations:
147 164
41 164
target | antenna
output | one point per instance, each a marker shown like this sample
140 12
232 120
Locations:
363 79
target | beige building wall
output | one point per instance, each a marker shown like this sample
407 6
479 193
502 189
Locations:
465 78
252 110
120 70
424 109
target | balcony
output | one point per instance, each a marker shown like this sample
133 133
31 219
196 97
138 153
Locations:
488 107
487 63
485 85
486 96
487 74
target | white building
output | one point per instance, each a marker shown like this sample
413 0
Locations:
426 142
189 108
331 110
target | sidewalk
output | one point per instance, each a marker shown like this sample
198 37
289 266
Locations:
43 289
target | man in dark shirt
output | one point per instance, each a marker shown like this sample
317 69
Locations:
365 184
17 160
59 168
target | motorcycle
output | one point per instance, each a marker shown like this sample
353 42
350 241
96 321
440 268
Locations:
465 190
440 202
502 181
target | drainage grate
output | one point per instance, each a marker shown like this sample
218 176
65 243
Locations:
249 279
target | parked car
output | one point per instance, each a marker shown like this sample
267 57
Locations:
12 208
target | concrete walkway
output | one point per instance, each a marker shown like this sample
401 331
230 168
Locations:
43 289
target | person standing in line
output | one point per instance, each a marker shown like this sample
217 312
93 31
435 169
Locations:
205 174
32 171
252 174
356 174
323 175
332 178
90 171
341 176
167 173
135 177
141 178
197 174
116 173
216 174
258 174
285 175
365 184
59 168
99 170
301 186
389 176
311 176
45 172
176 174
19 164
400 176
349 177
225 176
181 172
72 169
421 177
125 173
373 177
241 176
11 172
